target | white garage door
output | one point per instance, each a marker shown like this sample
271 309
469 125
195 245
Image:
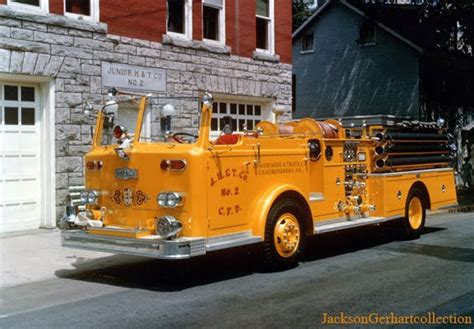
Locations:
19 157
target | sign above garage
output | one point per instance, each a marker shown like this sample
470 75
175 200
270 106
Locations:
133 77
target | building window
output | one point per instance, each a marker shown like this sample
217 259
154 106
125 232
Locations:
28 5
367 34
18 106
179 18
82 9
265 30
307 43
239 116
213 20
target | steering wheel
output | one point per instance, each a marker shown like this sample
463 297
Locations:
179 138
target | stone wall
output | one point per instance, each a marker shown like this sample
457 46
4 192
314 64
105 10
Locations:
71 52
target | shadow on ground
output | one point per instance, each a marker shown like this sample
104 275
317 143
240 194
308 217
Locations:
163 275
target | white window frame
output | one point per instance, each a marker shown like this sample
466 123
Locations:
265 112
43 7
271 29
222 32
94 8
372 42
188 21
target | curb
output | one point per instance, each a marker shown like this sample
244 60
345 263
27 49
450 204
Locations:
456 209
36 231
468 208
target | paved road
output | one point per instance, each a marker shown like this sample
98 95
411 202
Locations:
356 272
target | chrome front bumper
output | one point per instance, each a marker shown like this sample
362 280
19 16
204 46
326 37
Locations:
180 248
156 248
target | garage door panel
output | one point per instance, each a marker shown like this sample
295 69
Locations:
12 212
28 141
17 215
11 141
20 189
27 211
29 165
11 165
19 142
18 166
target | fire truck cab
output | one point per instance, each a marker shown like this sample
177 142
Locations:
187 195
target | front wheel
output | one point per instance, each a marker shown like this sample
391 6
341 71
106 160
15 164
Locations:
284 235
415 214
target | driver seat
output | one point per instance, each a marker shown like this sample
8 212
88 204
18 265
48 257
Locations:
225 139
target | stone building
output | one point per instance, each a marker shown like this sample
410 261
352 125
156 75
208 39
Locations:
56 54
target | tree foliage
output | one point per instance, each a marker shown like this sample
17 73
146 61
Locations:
301 12
445 31
447 67
452 24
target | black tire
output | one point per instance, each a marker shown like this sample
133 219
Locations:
414 221
283 212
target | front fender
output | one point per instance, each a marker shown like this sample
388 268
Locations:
262 205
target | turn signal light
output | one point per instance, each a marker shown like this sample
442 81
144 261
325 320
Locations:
173 165
94 165
119 131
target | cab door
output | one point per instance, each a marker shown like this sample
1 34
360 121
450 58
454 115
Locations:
326 180
227 189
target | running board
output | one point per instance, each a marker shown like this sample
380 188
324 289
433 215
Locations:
329 226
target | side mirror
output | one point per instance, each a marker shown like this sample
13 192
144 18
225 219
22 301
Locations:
109 109
109 119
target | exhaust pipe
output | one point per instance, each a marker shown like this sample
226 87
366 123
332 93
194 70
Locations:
380 163
400 161
380 136
408 148
389 135
380 149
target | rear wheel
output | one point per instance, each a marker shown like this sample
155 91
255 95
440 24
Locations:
415 214
284 235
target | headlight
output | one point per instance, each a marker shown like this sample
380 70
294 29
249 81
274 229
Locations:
168 226
92 197
84 197
169 199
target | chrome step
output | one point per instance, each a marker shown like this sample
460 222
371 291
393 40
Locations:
329 226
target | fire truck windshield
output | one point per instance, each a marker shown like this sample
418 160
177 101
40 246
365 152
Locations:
167 119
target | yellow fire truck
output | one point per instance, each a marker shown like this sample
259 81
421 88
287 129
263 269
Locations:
277 184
